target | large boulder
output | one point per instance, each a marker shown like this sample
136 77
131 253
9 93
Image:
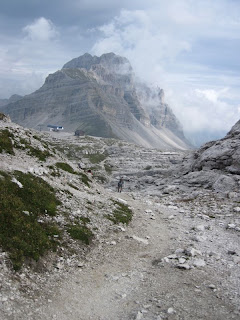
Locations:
223 154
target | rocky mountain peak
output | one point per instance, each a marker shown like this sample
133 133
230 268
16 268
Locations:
111 61
101 96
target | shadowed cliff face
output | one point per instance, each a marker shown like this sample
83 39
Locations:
100 96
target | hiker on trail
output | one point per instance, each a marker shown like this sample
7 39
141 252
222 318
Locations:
120 184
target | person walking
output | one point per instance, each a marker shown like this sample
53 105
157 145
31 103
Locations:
120 184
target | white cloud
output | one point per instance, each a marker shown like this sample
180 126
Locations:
211 94
205 109
189 48
41 29
27 60
180 46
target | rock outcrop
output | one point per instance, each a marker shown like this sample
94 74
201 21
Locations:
222 154
216 165
99 95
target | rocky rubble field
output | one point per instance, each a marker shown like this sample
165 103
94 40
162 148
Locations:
178 258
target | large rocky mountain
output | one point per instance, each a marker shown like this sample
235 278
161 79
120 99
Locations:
100 96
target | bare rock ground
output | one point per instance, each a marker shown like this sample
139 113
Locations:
137 272
179 258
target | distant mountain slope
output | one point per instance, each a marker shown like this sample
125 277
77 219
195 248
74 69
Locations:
100 96
13 98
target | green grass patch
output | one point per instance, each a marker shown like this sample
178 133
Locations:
85 220
41 155
6 141
122 214
108 168
54 171
65 167
84 179
23 232
80 232
96 157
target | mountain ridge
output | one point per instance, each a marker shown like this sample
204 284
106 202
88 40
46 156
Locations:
99 95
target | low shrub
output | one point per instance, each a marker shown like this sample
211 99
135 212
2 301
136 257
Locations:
6 141
84 179
122 214
65 167
108 168
23 206
80 232
41 155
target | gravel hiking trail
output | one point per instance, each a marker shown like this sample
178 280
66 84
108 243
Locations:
124 276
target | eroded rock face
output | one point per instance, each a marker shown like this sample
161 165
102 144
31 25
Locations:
223 154
4 118
216 165
99 96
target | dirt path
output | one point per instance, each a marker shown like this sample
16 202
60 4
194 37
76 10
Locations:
124 277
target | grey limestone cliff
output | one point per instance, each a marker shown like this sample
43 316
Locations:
216 165
100 96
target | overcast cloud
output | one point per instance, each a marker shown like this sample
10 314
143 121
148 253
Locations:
190 48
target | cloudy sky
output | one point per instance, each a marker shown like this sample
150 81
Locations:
190 48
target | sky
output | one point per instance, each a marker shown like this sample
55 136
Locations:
189 48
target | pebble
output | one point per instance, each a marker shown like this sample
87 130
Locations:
179 251
170 311
199 228
192 252
236 209
148 211
212 286
231 226
80 264
181 260
199 263
199 238
140 239
172 256
122 201
184 266
139 316
121 228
